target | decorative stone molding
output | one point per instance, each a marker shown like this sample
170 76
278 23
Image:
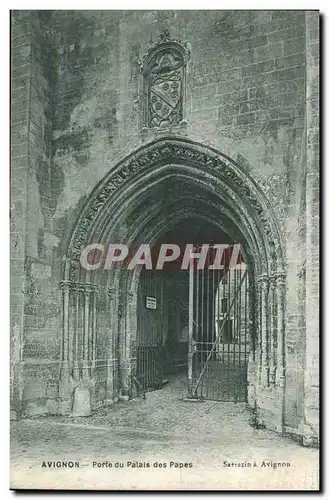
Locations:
280 277
112 293
76 287
263 281
173 151
271 296
84 305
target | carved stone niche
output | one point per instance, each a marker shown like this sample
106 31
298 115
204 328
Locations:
164 84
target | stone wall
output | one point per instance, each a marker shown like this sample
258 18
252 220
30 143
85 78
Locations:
312 243
32 132
20 50
251 93
246 83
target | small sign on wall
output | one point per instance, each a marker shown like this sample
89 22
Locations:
151 303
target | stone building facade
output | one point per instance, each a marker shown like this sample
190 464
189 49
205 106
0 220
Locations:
93 136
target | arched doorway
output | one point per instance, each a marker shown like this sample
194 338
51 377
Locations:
160 186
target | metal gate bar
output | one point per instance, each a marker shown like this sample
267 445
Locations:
218 333
218 336
149 369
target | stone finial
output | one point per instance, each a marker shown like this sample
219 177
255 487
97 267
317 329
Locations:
165 35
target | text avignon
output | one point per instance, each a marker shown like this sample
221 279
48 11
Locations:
265 464
61 464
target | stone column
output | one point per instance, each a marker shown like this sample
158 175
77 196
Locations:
76 369
252 306
65 340
280 293
252 329
264 294
273 322
280 371
123 361
85 367
131 328
65 388
111 382
259 344
94 329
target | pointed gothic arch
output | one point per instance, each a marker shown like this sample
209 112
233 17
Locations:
114 213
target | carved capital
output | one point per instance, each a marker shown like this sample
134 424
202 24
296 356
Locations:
78 287
263 282
74 290
120 309
280 277
89 288
66 284
131 297
112 293
272 279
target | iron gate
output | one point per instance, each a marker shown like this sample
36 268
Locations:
150 319
218 334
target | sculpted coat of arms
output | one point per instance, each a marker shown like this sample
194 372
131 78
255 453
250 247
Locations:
165 90
164 72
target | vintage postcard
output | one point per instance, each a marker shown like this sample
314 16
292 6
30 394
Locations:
164 250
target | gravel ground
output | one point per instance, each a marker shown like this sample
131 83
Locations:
161 429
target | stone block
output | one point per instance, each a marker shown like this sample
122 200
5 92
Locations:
34 389
81 402
33 409
13 415
295 46
40 271
52 406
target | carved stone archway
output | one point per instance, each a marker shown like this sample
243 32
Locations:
231 199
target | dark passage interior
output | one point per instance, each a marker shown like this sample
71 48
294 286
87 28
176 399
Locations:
164 306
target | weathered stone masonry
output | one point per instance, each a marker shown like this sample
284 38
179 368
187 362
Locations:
251 85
